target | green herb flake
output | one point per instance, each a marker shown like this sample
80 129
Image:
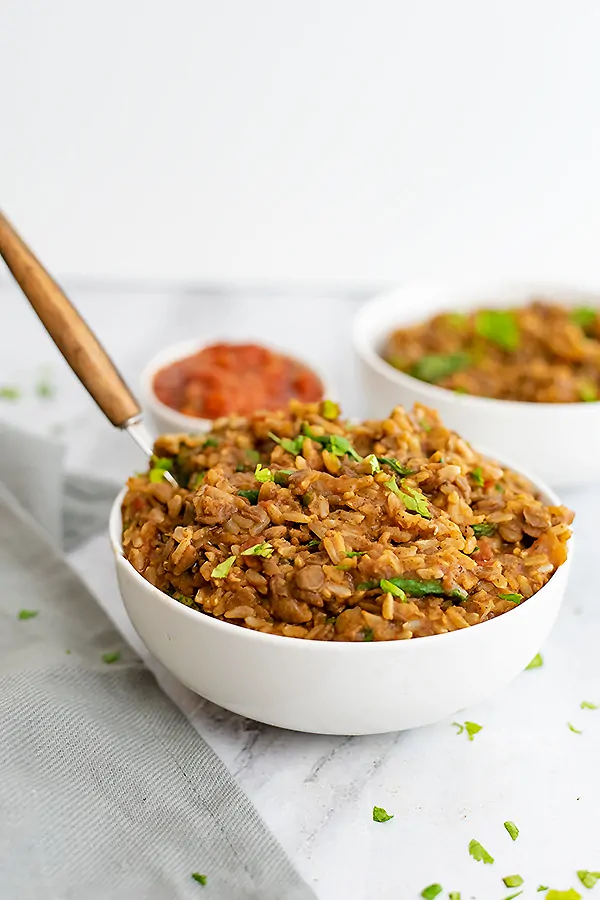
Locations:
460 727
416 588
9 392
584 316
330 410
27 613
454 895
536 662
353 553
513 880
44 389
413 499
368 635
251 496
479 853
110 658
390 588
341 446
571 894
156 475
499 326
573 729
263 475
472 728
429 893
588 879
437 366
588 392
380 815
201 879
265 549
477 476
512 896
367 585
395 465
223 569
585 704
512 830
543 887
291 445
484 529
373 463
181 598
313 544
211 442
512 598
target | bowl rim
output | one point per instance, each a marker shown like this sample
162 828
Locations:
180 350
337 647
365 347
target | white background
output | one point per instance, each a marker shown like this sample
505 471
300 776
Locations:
324 141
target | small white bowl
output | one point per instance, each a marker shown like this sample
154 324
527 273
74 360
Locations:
559 441
164 419
333 687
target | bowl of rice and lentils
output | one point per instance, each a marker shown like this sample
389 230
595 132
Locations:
513 368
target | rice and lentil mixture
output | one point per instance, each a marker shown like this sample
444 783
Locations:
541 352
298 523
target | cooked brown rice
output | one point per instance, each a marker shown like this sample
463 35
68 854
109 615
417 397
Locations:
384 530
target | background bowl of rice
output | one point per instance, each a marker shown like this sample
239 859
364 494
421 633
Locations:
558 441
327 687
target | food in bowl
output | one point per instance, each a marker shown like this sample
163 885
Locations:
301 524
542 352
225 379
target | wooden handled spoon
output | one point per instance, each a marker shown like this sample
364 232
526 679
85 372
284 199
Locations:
74 339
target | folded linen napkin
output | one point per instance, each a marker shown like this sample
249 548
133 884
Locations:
106 791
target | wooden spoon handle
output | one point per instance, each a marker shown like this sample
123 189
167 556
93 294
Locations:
72 336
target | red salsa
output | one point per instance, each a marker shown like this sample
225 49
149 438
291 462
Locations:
235 378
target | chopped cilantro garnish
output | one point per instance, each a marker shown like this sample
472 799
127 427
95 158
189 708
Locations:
571 894
416 588
484 529
367 585
355 552
9 392
263 474
588 392
264 549
472 728
513 880
429 893
390 588
292 445
512 598
395 465
27 613
499 326
252 496
222 570
373 462
437 366
313 544
479 853
335 443
329 410
512 830
368 634
281 476
536 662
477 476
113 657
573 729
588 879
584 316
201 879
585 704
211 442
380 815
44 389
413 499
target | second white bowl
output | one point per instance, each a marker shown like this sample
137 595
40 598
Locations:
558 441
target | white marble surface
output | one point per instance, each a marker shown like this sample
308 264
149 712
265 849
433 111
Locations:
317 792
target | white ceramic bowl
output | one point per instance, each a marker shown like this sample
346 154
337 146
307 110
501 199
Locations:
164 419
559 441
336 688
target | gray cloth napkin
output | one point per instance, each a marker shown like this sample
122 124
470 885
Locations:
106 791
